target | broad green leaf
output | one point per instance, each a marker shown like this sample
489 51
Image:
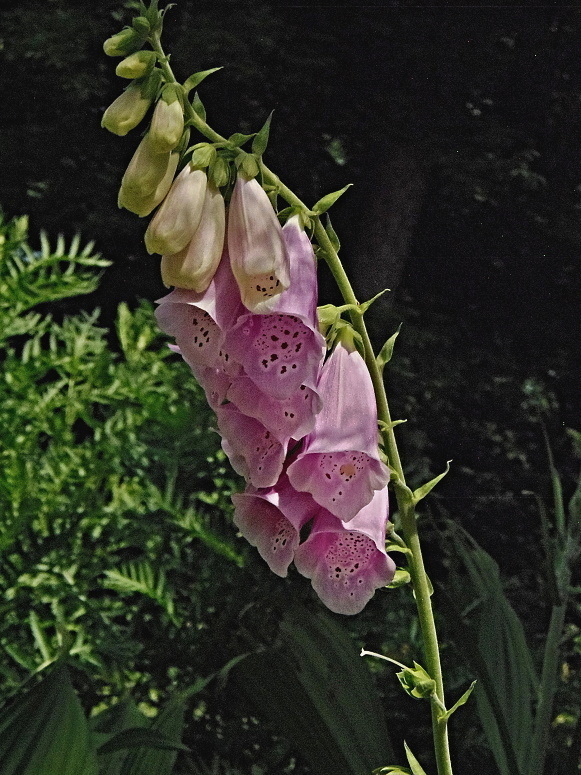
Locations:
197 78
117 718
422 491
313 690
327 201
44 731
146 761
414 764
261 140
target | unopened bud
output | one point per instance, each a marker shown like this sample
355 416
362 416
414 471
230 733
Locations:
195 265
174 224
136 65
125 113
167 124
123 43
218 172
146 169
141 204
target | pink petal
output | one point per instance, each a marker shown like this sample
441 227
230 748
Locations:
198 321
271 520
289 417
347 563
254 452
339 464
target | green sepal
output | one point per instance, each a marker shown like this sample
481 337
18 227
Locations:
392 546
332 234
203 156
247 163
401 576
149 85
197 78
141 25
198 107
417 682
288 212
387 426
172 92
414 764
462 701
261 140
238 139
384 355
422 491
327 201
327 316
219 172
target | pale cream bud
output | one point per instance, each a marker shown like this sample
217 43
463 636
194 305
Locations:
124 113
195 265
174 224
143 204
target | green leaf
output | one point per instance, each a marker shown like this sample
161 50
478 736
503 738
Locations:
312 689
462 701
197 78
414 764
422 491
327 201
45 732
138 737
386 352
169 723
247 163
261 140
364 306
198 107
238 139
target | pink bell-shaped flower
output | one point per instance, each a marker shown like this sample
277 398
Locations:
257 251
347 562
254 452
198 321
271 519
283 349
339 463
291 417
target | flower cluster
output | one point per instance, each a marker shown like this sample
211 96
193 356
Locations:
301 430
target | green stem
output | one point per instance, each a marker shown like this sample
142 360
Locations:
418 574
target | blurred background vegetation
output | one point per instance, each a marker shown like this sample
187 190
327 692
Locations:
460 128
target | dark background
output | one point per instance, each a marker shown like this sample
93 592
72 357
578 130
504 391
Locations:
460 128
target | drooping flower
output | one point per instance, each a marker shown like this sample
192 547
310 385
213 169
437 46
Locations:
257 251
347 562
198 321
195 265
339 463
291 417
254 452
270 519
176 221
282 349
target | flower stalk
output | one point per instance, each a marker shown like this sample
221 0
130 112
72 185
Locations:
405 498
